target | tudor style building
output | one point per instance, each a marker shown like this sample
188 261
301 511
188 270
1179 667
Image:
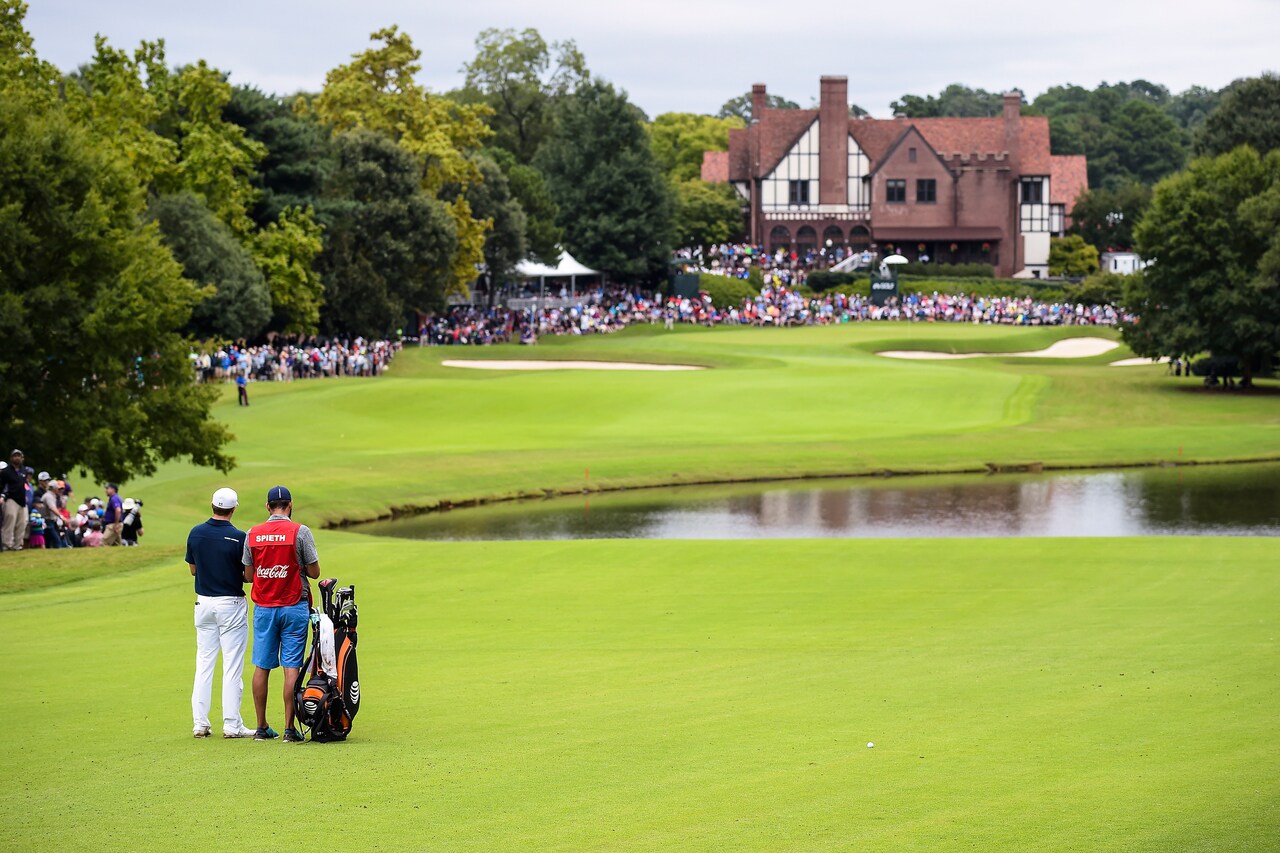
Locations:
960 190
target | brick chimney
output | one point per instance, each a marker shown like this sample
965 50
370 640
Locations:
757 102
1012 106
833 144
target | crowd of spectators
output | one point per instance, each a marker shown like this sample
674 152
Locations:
785 266
285 362
604 310
38 512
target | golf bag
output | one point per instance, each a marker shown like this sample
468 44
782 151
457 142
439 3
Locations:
327 697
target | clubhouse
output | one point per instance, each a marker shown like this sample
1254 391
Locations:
957 190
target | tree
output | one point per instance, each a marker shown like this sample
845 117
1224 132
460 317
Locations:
1126 129
519 77
955 100
707 213
389 248
237 304
286 251
529 189
1214 282
504 245
679 140
740 107
1248 114
615 205
24 76
91 303
1072 256
378 92
298 158
1105 218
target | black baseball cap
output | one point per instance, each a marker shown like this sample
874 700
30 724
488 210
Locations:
277 494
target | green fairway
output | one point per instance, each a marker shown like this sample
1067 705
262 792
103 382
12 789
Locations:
1062 694
1026 694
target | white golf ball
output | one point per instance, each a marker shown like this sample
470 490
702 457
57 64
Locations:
870 745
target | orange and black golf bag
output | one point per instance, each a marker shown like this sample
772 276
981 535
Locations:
327 698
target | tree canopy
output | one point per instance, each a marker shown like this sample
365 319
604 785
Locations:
519 77
1247 114
740 107
1214 282
91 308
680 139
615 204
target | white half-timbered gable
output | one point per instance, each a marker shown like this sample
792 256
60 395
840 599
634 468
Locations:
859 167
793 183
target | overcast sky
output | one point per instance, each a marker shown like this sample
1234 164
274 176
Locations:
693 55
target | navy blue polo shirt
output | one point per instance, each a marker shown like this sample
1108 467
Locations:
215 548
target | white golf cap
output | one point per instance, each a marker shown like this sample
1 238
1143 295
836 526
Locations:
44 475
226 499
82 508
128 504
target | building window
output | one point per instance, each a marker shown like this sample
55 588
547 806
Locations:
779 238
1034 218
911 155
926 190
1033 190
797 192
895 191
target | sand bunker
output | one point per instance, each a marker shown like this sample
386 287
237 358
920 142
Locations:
531 364
1139 362
1069 348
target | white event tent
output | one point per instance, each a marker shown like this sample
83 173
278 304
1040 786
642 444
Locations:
569 268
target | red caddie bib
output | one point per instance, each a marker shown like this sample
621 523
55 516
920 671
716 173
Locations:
277 577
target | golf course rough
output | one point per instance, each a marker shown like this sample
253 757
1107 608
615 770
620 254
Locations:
1058 694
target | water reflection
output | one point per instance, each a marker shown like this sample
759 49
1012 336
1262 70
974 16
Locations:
1207 500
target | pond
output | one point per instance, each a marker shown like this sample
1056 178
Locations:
1211 500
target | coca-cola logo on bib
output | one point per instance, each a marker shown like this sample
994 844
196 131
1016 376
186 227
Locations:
273 571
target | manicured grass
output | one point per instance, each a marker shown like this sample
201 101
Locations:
1022 694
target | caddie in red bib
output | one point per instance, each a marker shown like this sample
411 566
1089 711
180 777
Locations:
279 555
277 577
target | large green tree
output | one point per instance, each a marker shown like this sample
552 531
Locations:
1105 218
298 158
1248 114
238 304
707 213
955 100
529 188
378 91
680 139
615 204
91 304
390 243
1214 283
491 198
519 76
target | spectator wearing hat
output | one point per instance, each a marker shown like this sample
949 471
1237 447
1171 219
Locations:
112 516
13 488
131 526
48 506
277 554
222 615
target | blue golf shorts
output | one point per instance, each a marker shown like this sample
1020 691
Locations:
279 635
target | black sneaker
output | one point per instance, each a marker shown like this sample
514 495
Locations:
267 733
292 736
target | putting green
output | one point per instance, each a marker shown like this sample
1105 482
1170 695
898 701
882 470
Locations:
1022 694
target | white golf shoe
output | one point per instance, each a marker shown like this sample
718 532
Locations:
200 731
240 732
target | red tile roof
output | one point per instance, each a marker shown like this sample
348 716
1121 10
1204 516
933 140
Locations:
715 166
1068 179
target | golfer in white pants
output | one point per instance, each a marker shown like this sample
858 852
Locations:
221 616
